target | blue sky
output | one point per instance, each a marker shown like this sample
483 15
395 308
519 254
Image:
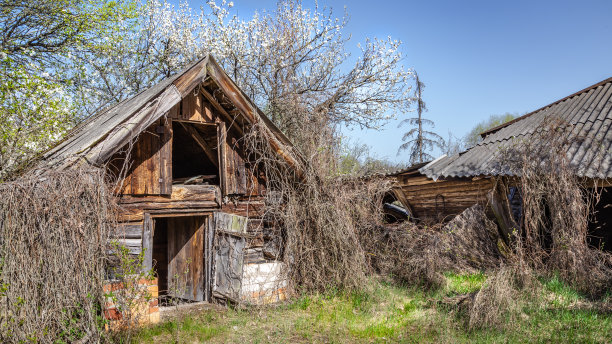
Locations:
479 58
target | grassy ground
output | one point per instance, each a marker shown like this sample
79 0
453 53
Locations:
391 314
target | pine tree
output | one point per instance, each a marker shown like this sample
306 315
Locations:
418 141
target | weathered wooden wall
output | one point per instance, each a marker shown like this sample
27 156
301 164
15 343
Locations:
149 169
152 206
439 200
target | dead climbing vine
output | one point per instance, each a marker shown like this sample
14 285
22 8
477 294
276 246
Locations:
54 234
318 215
557 205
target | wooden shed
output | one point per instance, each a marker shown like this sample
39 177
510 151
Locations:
191 197
583 120
434 200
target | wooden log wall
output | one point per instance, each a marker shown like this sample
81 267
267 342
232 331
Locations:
433 201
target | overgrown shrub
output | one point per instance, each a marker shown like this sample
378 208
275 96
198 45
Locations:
321 213
556 206
54 231
419 255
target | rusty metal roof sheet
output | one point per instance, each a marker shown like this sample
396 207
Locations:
586 116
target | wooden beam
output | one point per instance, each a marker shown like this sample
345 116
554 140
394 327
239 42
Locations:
147 242
221 110
201 142
498 201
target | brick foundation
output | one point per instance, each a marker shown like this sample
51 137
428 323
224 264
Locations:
144 310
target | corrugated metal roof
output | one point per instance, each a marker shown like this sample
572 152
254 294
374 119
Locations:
586 116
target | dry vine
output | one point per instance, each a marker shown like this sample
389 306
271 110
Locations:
54 232
318 215
419 255
557 206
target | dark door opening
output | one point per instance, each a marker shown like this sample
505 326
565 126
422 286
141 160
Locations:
179 256
600 224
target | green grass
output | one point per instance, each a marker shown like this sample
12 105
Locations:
389 313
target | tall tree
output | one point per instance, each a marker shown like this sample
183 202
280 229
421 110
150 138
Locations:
38 42
292 61
419 141
473 137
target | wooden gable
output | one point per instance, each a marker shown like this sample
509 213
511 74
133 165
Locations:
151 159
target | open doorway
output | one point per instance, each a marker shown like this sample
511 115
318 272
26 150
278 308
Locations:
195 159
180 258
600 224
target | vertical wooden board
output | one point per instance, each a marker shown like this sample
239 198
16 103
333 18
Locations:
222 152
239 168
192 107
147 242
186 257
208 251
230 176
235 170
207 111
153 162
228 257
165 153
135 161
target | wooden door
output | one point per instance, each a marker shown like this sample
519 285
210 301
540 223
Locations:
228 261
186 252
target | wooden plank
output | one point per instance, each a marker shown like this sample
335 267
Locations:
165 157
222 155
191 109
207 112
152 180
190 79
245 208
195 193
158 206
186 257
147 242
134 246
130 230
239 168
208 263
228 258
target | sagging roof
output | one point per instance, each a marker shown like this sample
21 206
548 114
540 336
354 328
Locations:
586 115
413 168
99 136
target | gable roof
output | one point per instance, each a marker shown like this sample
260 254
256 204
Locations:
586 114
101 135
